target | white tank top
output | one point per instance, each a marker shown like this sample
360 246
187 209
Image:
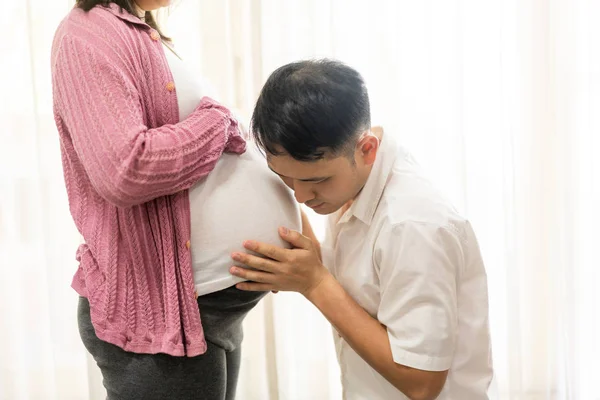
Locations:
240 199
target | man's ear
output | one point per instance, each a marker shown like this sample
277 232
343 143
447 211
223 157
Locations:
367 148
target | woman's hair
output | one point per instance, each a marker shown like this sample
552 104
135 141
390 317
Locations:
126 5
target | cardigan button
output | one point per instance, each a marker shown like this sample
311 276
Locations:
170 86
188 244
154 35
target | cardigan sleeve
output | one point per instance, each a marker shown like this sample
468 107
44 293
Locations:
126 162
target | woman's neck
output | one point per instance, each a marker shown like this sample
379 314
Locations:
138 11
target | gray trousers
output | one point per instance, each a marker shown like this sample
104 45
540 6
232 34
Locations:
211 376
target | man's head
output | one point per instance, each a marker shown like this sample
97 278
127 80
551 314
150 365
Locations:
313 121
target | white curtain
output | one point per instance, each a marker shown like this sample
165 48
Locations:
498 99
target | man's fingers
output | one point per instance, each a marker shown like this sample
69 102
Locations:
267 250
255 262
254 287
254 276
295 238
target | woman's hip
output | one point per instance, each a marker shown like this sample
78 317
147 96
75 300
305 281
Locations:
223 313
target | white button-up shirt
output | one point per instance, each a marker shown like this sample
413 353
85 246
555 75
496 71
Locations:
405 255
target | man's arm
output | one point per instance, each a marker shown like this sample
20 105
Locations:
369 338
301 270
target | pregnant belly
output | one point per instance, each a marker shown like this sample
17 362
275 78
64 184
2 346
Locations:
240 200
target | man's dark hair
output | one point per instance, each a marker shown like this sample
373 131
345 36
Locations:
311 109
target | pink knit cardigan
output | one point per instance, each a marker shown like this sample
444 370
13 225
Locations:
128 162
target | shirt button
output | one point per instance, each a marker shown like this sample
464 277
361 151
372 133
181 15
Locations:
154 35
170 86
188 244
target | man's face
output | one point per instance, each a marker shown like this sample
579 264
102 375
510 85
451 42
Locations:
324 185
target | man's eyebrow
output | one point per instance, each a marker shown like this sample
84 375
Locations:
315 179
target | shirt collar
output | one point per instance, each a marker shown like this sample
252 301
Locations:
366 202
124 15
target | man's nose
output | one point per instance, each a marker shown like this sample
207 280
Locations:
303 192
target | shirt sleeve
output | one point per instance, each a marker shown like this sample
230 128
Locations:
418 264
98 102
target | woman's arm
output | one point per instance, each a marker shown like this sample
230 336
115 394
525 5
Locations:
128 163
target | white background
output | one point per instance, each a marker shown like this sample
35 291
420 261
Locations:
498 99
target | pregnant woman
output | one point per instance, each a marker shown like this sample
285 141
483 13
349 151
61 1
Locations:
158 310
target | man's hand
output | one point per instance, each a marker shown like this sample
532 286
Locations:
309 233
298 269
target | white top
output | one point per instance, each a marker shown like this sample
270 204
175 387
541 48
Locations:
240 199
405 255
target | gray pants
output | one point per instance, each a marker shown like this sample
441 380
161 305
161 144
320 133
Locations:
211 376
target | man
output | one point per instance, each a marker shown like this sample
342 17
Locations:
405 287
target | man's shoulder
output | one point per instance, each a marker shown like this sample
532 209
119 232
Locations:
411 204
409 197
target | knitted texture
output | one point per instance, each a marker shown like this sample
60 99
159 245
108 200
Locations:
128 162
